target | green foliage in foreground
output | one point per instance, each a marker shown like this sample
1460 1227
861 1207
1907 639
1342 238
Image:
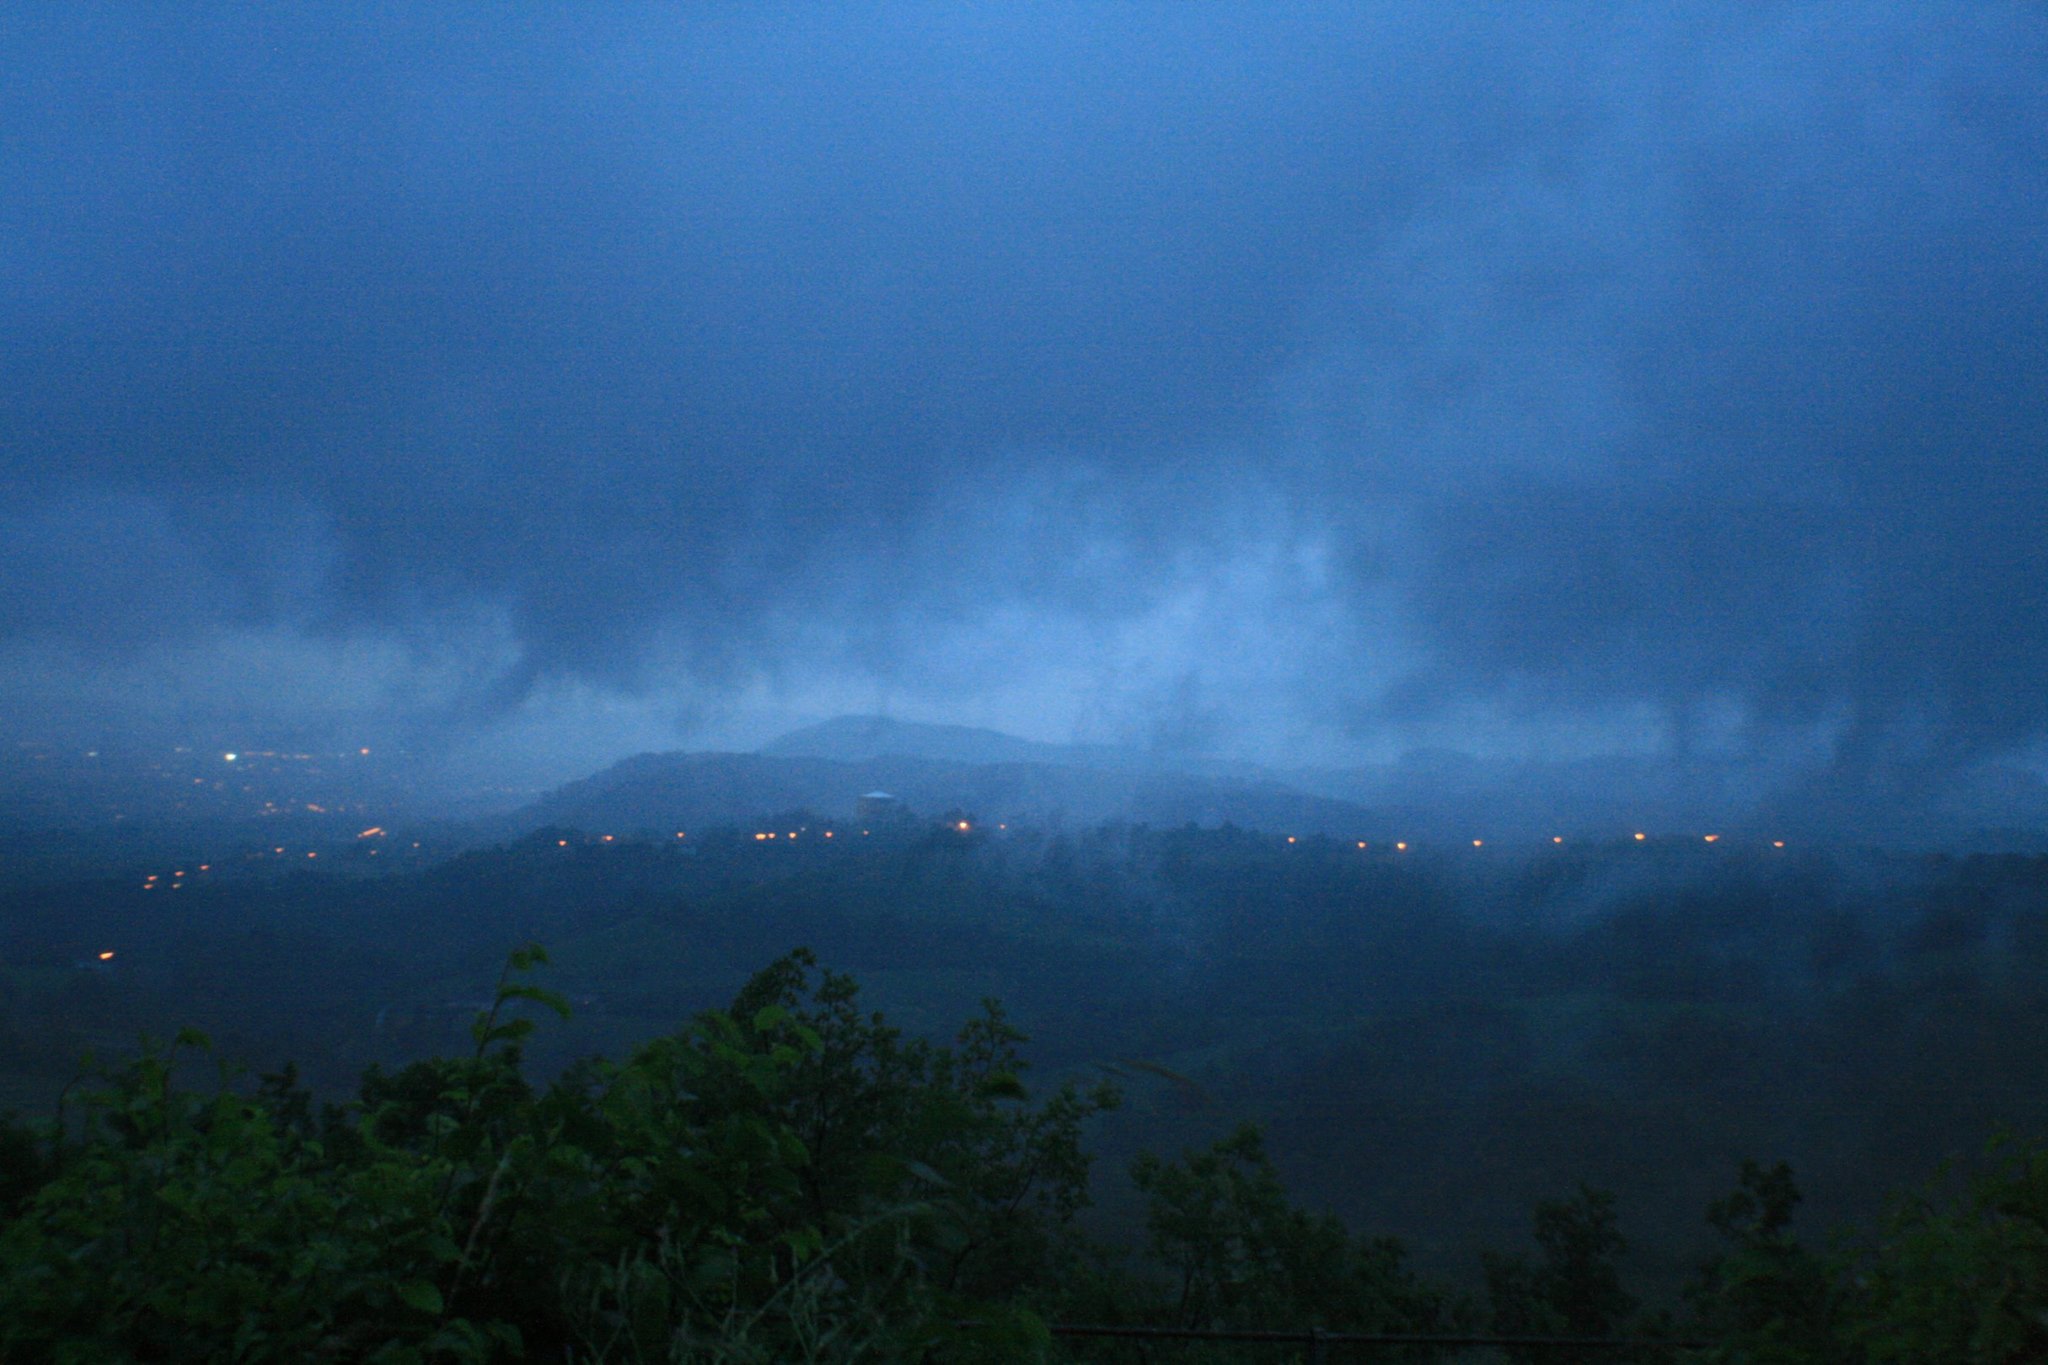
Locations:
1957 1273
792 1180
788 1180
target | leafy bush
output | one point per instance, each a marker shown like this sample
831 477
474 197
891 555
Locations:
791 1179
787 1180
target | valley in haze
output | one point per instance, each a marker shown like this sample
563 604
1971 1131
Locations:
1434 1033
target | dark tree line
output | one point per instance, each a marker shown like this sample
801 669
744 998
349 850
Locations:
791 1178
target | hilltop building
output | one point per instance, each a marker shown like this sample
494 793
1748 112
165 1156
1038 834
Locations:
880 808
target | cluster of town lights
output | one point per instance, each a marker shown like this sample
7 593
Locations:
231 756
963 826
155 880
761 836
1640 837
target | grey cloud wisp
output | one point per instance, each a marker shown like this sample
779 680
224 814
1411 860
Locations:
1313 384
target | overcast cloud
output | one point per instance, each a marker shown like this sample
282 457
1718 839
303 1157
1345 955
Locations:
1308 384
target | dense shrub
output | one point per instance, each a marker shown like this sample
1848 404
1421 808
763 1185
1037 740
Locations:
791 1179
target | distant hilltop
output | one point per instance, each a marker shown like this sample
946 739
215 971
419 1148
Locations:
827 768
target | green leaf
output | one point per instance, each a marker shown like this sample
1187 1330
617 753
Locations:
420 1295
540 995
1001 1086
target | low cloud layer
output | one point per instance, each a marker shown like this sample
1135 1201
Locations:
1311 384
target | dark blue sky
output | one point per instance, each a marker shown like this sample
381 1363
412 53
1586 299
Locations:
1306 383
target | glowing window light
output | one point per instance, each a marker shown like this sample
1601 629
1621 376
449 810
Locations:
1557 838
1361 843
107 956
1777 843
1400 848
1290 838
607 839
679 834
230 757
1479 843
561 843
759 836
1710 838
312 855
1640 836
962 827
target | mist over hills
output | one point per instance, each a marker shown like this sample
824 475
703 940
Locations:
859 738
679 790
1426 794
1429 793
144 796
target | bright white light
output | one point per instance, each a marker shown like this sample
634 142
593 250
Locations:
229 757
